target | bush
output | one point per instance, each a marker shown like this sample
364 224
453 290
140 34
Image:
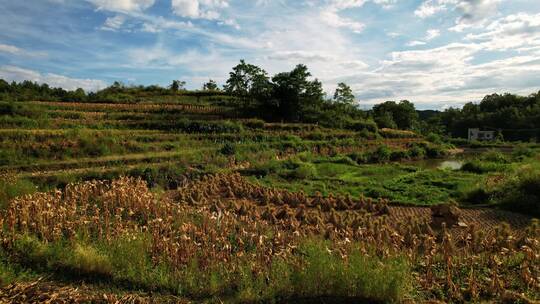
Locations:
362 125
434 138
481 167
86 259
359 158
11 187
382 154
228 149
517 191
363 276
417 151
522 151
435 151
520 192
494 156
254 123
393 133
305 171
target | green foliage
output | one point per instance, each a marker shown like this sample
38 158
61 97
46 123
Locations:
481 167
362 125
177 85
343 94
382 154
304 171
228 149
11 187
494 156
517 116
367 277
518 191
522 151
254 123
85 259
393 115
211 86
434 138
298 97
248 83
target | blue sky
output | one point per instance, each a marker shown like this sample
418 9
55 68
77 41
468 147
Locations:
436 53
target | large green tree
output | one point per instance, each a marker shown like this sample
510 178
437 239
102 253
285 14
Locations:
248 82
211 86
402 114
295 96
343 94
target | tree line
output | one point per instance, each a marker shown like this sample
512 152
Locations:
295 96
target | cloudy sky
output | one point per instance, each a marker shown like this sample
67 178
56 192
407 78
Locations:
436 53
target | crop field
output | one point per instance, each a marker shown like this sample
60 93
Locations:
174 203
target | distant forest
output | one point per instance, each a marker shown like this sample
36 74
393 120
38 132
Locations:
295 97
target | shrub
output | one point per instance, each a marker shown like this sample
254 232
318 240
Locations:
494 156
393 133
480 167
522 151
11 187
520 192
382 154
254 123
228 149
517 191
317 135
362 125
305 171
435 151
7 108
417 151
359 158
86 259
363 276
434 138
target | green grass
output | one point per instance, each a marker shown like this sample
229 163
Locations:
402 184
11 187
516 190
313 272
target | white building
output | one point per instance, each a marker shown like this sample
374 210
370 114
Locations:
476 134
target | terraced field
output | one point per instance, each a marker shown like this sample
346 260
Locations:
52 140
219 206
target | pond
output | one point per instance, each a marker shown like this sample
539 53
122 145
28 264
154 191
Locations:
450 164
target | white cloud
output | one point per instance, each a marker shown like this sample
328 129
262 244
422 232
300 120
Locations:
159 24
195 9
345 4
5 48
332 18
301 56
429 8
446 75
472 13
416 43
13 50
387 4
513 31
13 73
432 34
114 23
123 5
353 64
330 14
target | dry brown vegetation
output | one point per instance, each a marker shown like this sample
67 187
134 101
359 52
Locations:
223 224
